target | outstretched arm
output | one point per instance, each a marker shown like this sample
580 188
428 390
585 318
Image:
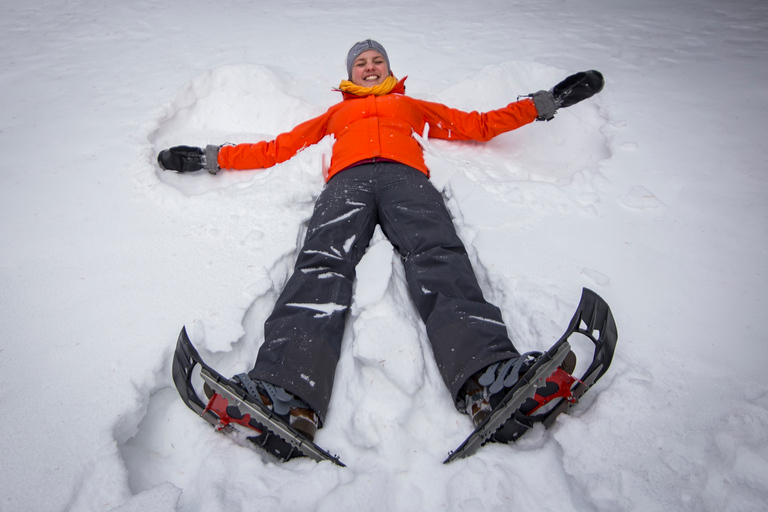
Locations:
268 153
453 124
245 156
448 123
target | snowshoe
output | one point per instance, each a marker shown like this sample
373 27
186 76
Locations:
548 388
230 405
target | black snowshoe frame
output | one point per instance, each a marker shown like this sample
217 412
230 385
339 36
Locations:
593 319
288 444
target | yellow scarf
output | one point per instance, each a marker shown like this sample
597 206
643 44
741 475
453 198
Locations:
383 88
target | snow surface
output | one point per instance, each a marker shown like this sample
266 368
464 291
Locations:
653 194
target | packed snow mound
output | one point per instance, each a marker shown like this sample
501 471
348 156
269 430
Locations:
235 103
231 104
553 152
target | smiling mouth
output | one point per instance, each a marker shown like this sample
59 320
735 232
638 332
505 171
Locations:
371 78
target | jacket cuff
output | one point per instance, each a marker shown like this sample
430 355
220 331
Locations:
212 158
545 105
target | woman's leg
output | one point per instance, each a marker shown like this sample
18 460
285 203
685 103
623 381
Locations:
304 332
467 333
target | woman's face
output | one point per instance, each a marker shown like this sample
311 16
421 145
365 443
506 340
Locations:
369 69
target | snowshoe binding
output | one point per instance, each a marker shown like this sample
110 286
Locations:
508 398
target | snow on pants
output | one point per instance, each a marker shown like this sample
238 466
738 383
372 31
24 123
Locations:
304 332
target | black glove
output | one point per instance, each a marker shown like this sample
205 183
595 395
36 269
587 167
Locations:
578 87
189 159
570 91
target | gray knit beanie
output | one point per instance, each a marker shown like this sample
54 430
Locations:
364 46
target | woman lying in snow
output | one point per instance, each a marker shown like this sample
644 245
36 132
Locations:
378 176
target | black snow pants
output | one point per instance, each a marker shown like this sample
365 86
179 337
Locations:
304 332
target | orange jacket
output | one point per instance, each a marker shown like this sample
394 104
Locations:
379 127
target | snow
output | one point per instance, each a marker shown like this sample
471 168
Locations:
322 309
652 194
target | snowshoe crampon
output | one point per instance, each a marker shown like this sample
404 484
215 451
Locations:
230 405
547 390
